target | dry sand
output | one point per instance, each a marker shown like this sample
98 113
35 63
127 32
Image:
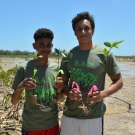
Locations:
118 120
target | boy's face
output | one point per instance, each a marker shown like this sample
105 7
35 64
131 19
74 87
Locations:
43 46
83 31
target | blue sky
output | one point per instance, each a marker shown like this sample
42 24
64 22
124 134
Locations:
19 19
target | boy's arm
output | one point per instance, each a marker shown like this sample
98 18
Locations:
58 85
61 97
116 85
16 96
66 89
27 83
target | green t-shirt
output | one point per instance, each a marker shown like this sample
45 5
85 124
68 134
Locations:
90 67
37 117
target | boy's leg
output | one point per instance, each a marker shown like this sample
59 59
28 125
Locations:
102 125
51 131
24 132
91 126
69 126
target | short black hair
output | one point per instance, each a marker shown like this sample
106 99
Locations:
43 33
81 16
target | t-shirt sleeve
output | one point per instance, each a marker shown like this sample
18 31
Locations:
111 65
19 77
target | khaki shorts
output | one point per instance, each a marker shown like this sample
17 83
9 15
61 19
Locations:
72 126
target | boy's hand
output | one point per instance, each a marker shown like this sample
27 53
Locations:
94 97
59 85
75 94
27 83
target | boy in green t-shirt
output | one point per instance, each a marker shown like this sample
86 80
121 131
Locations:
84 78
37 77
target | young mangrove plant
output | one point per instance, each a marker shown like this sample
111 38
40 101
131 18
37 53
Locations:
58 79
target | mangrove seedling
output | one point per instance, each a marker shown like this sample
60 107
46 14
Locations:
57 53
34 96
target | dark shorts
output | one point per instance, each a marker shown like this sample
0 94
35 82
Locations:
51 131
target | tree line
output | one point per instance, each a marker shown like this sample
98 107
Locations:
27 53
21 53
15 52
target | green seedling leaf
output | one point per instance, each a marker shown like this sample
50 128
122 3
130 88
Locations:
65 54
35 71
70 56
65 61
40 56
115 46
116 43
57 74
105 52
108 44
57 52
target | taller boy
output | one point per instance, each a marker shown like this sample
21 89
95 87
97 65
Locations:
90 68
39 118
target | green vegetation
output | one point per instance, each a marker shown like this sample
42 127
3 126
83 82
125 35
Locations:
126 57
26 54
6 77
6 80
15 56
23 54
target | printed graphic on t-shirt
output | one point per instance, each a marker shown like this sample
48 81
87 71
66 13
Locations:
83 63
44 96
83 79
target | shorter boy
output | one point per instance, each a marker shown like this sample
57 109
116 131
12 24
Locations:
37 77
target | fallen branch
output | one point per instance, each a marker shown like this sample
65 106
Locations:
7 114
129 105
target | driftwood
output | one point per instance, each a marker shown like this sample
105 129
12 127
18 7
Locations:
3 118
129 105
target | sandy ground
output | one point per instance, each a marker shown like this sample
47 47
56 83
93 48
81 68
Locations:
118 120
